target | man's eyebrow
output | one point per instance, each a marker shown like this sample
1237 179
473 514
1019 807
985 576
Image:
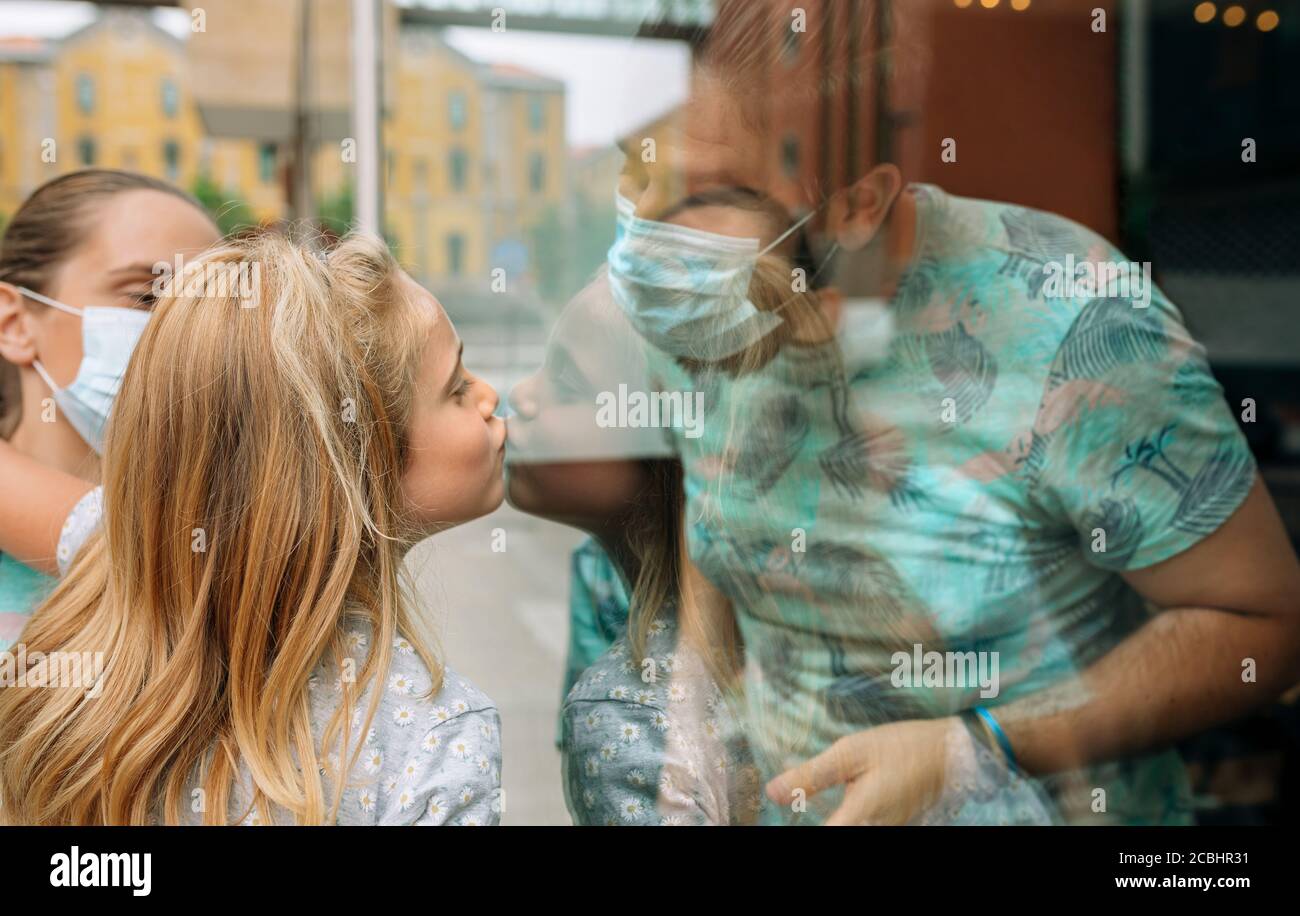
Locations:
731 195
455 370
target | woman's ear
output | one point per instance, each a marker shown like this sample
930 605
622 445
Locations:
857 212
17 342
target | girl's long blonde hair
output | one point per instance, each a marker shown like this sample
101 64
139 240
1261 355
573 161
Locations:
251 502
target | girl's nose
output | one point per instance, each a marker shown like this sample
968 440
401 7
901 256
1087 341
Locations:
491 399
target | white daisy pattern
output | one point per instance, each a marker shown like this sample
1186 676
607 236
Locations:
627 760
445 771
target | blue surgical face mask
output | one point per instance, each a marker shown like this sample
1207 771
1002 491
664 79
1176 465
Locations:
108 337
685 290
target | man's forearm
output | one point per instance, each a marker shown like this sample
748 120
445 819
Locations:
1181 673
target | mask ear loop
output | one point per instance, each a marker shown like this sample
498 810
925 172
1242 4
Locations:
789 232
45 376
834 249
52 303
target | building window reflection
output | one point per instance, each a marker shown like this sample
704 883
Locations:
458 167
455 254
85 93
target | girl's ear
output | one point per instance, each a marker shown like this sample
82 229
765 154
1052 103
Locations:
857 212
17 342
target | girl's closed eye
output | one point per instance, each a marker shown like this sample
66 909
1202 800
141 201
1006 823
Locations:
462 389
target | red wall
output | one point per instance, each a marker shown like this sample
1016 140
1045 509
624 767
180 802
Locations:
1031 99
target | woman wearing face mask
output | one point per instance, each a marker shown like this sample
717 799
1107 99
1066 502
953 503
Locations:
76 279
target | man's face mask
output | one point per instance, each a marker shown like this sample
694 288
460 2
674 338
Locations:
686 290
108 337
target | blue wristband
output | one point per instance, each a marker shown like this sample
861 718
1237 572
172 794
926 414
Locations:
1000 735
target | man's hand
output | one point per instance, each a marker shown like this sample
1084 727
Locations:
890 773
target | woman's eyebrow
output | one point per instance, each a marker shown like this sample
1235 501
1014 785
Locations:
132 270
455 370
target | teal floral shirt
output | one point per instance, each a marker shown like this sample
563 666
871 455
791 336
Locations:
598 606
21 589
978 490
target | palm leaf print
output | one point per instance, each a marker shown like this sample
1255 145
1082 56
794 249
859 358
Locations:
845 462
1148 453
865 581
965 368
861 582
865 700
1216 490
1193 381
916 286
907 355
1019 562
1040 236
1108 333
907 495
1035 239
1031 466
769 446
1122 524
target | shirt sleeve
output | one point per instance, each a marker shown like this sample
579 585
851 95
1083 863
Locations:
459 783
1134 443
81 523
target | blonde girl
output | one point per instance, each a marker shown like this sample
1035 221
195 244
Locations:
266 468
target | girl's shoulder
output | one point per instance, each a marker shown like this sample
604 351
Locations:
408 683
429 756
81 523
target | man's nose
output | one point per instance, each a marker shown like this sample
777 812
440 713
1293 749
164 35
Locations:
523 398
665 185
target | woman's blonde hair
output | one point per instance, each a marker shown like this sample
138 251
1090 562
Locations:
251 502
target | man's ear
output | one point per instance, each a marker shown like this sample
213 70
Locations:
17 342
857 212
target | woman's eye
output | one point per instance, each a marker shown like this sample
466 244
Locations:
144 299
